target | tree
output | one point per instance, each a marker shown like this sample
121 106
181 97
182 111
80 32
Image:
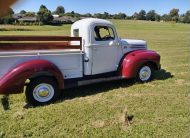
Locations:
98 15
187 17
72 14
1 20
151 15
122 15
60 10
77 15
174 14
105 15
135 16
157 17
8 19
181 18
30 14
87 15
165 17
142 15
22 12
129 17
44 15
10 12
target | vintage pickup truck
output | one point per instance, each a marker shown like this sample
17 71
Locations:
94 53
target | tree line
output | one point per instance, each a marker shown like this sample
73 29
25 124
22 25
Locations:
151 15
45 16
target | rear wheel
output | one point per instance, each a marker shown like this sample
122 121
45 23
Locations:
42 90
145 73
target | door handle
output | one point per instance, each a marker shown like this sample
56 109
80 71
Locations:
86 59
95 49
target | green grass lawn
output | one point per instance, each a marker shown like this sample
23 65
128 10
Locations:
115 109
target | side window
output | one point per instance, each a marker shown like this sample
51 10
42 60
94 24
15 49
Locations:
76 32
103 33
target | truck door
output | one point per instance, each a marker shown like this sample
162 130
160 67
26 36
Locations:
106 50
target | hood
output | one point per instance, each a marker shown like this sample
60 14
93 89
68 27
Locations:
132 44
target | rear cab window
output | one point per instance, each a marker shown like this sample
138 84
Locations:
76 32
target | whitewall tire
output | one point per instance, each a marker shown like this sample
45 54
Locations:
145 73
42 90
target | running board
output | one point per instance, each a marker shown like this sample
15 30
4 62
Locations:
87 82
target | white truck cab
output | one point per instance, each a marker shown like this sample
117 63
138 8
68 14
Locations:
103 48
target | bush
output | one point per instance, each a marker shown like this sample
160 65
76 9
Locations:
35 23
7 20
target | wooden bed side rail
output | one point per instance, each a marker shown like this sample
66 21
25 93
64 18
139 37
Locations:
39 38
8 43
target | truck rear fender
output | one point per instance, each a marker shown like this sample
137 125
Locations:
131 62
14 80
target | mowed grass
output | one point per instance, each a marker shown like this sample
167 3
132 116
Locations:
115 109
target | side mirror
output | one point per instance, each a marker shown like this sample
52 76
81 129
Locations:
113 43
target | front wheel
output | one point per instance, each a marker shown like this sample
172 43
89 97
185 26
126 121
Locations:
145 73
41 91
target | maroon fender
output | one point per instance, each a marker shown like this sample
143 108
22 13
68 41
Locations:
132 61
13 82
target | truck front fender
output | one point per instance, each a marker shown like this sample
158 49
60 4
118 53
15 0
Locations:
13 82
131 62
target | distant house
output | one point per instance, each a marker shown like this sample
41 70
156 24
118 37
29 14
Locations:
22 18
64 19
83 18
28 19
18 16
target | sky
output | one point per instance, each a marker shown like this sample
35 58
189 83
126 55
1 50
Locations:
100 6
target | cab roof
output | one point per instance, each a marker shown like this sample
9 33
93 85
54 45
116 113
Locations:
91 21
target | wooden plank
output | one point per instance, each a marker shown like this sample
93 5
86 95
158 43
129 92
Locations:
36 46
38 42
39 38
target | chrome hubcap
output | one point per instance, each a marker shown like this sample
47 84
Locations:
43 92
145 73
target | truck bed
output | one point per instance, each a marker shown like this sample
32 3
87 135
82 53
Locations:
66 56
